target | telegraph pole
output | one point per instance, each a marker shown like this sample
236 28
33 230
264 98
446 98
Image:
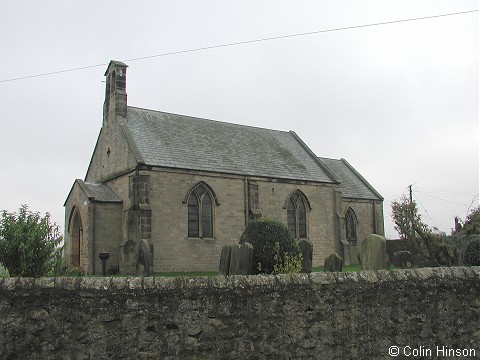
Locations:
411 208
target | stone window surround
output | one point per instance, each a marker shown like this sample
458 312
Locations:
351 221
303 198
214 203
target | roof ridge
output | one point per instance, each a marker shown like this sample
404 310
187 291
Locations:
327 158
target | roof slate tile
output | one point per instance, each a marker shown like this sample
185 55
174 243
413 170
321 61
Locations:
179 141
352 186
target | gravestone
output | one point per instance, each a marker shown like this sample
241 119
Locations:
373 255
143 257
333 263
224 266
403 258
306 248
241 259
346 253
128 257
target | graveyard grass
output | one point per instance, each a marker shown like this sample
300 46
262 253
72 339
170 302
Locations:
350 268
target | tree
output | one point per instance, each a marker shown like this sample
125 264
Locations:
471 225
29 243
432 248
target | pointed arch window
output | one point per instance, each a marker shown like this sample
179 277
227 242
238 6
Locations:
297 206
351 226
200 211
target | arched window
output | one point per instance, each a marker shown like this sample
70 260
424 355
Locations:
351 226
297 205
200 211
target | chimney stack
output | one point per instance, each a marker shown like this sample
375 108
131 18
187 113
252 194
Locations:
115 91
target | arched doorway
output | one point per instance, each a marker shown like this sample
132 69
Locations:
76 232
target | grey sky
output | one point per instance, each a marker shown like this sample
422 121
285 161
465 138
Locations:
398 101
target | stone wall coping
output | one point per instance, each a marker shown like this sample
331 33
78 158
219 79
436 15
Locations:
158 284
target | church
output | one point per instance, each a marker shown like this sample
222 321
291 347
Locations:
189 186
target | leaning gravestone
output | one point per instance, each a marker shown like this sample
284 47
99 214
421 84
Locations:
333 263
224 266
306 248
241 259
373 254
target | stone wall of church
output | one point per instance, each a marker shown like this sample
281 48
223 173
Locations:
421 313
108 233
78 202
175 251
112 154
320 219
369 217
101 230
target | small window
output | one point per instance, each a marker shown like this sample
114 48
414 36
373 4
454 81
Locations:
297 206
351 225
200 212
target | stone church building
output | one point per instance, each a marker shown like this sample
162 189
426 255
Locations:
188 186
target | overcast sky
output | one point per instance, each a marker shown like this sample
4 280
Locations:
398 101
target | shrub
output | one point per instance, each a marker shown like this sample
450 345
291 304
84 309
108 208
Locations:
472 252
288 263
274 248
73 271
29 243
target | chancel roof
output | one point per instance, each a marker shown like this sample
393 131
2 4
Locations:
184 142
352 184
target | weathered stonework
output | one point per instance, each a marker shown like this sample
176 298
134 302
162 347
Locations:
302 316
145 164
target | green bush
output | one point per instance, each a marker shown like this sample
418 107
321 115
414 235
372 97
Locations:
472 252
274 248
288 263
29 243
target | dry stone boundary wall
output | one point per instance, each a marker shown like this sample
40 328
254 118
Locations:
302 316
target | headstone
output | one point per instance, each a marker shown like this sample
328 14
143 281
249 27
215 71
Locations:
346 253
333 263
306 248
373 254
224 266
128 257
241 259
402 258
143 257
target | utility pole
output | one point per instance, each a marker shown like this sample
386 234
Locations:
411 208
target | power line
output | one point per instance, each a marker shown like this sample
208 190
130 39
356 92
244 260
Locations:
452 202
416 197
456 192
240 43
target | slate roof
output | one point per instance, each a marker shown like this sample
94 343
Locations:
352 184
184 142
99 192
